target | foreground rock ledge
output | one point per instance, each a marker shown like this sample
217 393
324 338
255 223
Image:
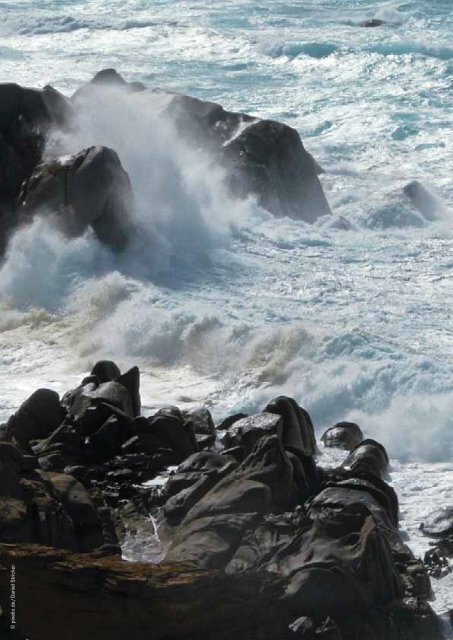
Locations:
105 597
255 539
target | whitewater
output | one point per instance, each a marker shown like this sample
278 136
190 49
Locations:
219 303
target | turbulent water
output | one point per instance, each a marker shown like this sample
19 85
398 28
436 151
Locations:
219 303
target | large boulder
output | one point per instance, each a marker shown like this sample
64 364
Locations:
263 157
106 78
298 431
121 395
370 457
36 418
25 117
342 555
90 188
343 435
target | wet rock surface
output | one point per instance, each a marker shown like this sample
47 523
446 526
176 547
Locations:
438 525
258 540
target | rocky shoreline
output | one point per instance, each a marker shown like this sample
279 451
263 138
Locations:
261 541
258 540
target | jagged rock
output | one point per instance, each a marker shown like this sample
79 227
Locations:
106 371
343 435
29 512
89 188
342 553
131 381
202 425
64 440
173 433
263 157
298 431
248 431
106 442
37 417
230 420
105 398
437 560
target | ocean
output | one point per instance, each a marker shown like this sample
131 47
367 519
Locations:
221 304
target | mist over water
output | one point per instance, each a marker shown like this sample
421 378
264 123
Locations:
216 301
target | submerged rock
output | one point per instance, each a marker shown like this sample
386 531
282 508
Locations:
439 523
373 22
423 200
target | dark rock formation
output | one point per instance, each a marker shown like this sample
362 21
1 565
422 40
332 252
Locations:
46 509
201 424
439 525
369 456
36 418
259 542
344 435
25 117
106 78
298 431
262 157
90 188
88 594
212 531
245 433
193 479
105 371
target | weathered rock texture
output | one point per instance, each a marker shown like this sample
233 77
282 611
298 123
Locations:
260 542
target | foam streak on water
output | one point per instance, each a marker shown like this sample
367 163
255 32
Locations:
218 302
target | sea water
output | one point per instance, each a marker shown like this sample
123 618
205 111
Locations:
218 302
